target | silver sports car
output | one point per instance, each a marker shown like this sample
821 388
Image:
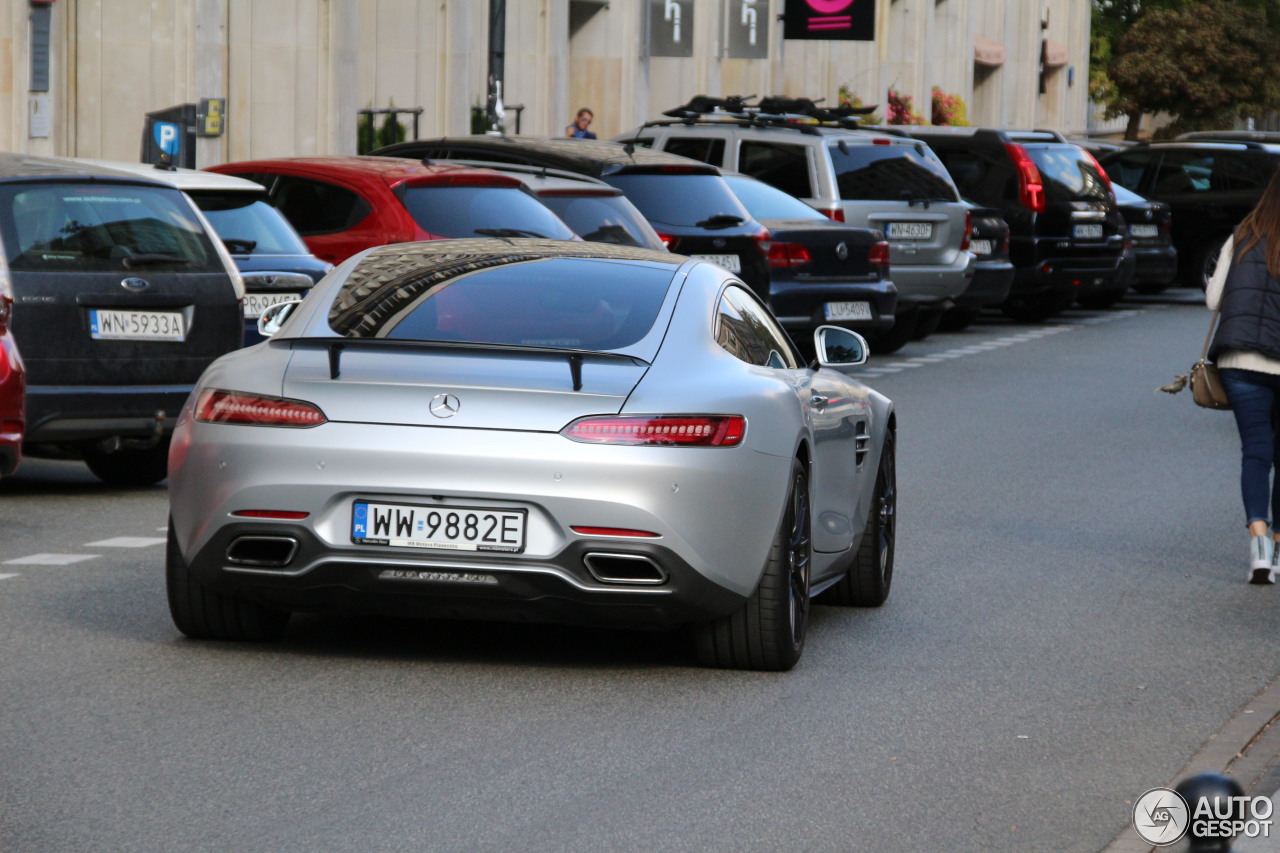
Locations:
533 430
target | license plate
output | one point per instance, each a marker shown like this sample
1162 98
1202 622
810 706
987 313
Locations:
1085 232
910 230
447 528
848 310
256 303
112 325
729 262
1144 230
980 247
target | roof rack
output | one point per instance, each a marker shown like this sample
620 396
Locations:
803 114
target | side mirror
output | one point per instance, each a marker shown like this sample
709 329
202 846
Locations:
839 347
270 321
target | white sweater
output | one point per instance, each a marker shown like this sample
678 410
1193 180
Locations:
1213 298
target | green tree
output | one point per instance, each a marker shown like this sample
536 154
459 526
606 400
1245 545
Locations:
1185 57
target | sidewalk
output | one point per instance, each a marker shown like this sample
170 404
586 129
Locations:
1248 749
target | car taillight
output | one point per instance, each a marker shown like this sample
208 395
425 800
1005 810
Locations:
763 239
613 531
968 231
1030 186
834 213
669 240
659 430
282 514
788 255
233 407
878 254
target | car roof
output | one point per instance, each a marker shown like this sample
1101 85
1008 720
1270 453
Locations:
183 179
542 178
588 156
996 134
25 167
391 170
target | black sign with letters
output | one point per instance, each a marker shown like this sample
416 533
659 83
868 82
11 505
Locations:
848 20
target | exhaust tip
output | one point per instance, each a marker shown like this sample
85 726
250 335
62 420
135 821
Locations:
272 552
634 569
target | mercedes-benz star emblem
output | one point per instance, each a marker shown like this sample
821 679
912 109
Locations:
444 405
842 251
135 284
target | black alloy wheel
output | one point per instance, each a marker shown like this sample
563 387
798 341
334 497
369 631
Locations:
870 574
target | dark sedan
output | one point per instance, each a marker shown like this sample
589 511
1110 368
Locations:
993 271
820 271
1155 260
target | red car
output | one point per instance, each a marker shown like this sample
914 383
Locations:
343 205
13 385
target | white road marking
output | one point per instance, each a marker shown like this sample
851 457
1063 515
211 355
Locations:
6 577
125 542
49 559
902 364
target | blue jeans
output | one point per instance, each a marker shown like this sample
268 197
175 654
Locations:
1254 397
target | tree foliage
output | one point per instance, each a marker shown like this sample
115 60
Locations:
1203 61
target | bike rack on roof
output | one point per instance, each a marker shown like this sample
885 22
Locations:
802 114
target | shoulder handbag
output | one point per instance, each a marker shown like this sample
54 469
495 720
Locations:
1206 384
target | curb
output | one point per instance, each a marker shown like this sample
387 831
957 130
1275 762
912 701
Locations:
1247 747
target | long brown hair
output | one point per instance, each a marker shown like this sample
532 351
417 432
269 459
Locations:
1262 223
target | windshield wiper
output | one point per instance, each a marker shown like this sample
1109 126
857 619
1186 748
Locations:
508 232
145 258
239 244
720 220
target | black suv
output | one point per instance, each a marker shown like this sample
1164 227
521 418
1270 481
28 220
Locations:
121 298
1066 235
1211 181
686 201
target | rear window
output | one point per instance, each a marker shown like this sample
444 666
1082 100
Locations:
471 211
102 228
1068 174
889 173
248 224
766 202
679 199
603 219
778 164
570 303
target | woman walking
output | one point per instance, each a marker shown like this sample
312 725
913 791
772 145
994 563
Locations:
1245 288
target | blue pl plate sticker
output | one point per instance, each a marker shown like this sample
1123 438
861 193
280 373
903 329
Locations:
93 323
359 521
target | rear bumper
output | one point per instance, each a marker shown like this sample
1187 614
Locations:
66 414
1067 274
925 285
991 283
559 588
801 305
1156 265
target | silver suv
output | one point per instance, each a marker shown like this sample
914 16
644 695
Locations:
868 179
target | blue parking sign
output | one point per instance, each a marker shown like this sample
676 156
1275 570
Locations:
166 134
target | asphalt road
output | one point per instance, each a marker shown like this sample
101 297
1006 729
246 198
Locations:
1068 624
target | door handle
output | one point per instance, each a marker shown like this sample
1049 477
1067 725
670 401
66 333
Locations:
819 402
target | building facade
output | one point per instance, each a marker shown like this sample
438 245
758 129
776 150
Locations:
77 77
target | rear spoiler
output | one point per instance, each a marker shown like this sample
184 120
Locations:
336 346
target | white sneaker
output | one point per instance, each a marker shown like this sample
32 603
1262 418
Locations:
1262 560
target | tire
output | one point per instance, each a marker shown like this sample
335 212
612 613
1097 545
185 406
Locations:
128 467
1101 300
1206 261
203 614
866 582
896 336
927 320
959 319
768 631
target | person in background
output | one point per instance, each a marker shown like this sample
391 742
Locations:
1245 288
581 127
